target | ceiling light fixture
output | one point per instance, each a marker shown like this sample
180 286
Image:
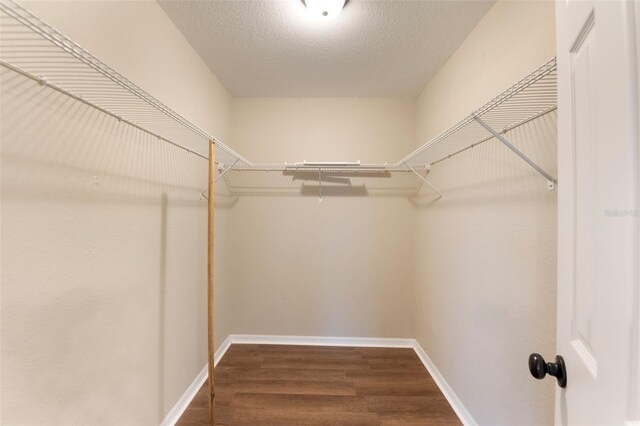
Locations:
325 9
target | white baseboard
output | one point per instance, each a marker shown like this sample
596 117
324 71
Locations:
174 414
447 391
321 341
179 408
465 416
222 350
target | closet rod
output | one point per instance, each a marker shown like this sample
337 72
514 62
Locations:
43 82
279 168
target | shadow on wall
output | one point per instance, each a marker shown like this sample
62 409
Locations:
311 183
103 232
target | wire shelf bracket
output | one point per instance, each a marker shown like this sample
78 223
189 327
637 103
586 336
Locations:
528 100
422 178
552 181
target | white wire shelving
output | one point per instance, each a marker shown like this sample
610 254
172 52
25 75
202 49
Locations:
529 99
37 51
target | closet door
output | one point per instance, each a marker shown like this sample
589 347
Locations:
598 295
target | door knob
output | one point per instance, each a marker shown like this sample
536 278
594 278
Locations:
539 369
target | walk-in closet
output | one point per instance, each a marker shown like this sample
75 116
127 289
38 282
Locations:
319 212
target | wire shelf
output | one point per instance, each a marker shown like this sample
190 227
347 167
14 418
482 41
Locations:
525 101
37 51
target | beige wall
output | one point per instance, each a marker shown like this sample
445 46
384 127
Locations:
342 267
104 233
485 288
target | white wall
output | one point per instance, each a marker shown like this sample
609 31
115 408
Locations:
104 233
486 275
343 267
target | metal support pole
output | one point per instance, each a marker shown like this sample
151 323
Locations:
515 150
320 184
424 180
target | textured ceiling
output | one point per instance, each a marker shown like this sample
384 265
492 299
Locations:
374 48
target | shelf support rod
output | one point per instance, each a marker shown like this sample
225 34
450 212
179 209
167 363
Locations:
515 150
226 170
424 180
421 184
204 191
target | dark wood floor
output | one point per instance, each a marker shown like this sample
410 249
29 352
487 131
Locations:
319 385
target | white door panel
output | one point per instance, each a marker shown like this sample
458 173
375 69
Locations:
598 210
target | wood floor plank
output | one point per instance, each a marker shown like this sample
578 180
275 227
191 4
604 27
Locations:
311 355
300 403
243 361
268 417
284 373
387 353
321 385
294 387
407 388
382 376
318 363
395 364
401 404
